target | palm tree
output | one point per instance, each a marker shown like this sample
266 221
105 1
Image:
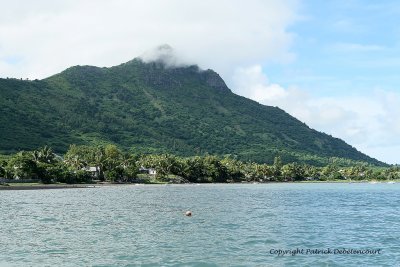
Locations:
36 156
75 162
44 155
47 154
100 160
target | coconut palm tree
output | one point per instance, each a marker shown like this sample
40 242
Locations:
44 155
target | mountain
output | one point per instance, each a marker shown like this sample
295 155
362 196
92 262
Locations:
151 107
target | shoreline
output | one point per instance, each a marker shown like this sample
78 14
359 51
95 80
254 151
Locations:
21 186
50 186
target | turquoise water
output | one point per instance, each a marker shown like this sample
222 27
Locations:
232 225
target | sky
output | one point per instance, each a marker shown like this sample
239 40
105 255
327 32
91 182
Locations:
331 64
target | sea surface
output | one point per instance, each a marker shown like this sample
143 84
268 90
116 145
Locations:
232 225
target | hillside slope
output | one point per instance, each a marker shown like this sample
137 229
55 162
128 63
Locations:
152 108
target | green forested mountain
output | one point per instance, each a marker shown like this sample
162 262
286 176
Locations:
149 107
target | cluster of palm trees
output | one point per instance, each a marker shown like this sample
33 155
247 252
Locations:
28 165
117 166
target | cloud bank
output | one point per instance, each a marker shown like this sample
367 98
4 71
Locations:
40 38
370 122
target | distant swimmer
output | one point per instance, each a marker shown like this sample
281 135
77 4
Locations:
188 213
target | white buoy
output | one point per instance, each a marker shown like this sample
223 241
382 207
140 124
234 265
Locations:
188 213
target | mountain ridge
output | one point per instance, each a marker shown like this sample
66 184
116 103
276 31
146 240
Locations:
156 108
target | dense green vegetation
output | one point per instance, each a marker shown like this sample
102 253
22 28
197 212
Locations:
155 109
114 165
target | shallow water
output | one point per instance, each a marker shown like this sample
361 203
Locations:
232 225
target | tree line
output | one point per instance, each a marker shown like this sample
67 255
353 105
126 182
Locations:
114 165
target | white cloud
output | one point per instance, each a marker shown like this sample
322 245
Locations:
165 54
370 122
255 85
50 36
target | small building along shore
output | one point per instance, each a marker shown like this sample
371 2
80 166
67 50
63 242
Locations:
150 171
93 170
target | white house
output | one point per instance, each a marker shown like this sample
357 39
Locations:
94 170
150 171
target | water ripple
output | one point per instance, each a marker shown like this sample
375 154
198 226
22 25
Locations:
232 225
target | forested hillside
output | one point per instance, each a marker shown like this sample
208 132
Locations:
150 108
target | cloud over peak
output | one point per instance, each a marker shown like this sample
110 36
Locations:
220 35
164 54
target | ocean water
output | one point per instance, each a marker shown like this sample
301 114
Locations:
232 225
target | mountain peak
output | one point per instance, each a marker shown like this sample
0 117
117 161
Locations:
213 80
163 73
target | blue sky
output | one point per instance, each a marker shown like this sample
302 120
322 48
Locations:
342 44
331 64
